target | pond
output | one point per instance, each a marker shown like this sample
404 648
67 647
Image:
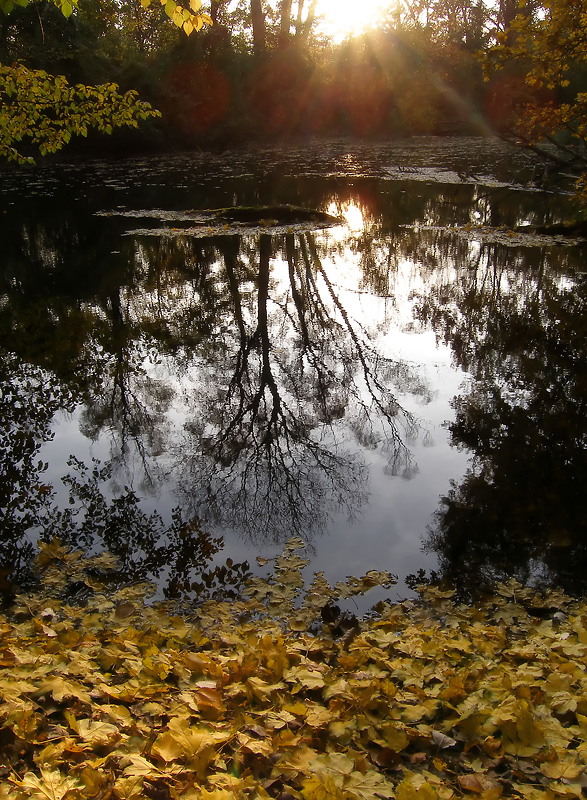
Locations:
402 387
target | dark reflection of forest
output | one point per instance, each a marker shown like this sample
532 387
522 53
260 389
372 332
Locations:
520 331
282 390
261 449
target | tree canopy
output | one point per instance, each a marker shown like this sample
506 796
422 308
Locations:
546 47
45 110
267 68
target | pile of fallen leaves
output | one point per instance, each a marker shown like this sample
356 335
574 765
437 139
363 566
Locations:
281 695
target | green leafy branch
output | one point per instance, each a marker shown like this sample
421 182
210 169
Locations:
46 111
189 17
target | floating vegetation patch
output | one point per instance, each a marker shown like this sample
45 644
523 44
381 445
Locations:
279 219
203 231
163 215
433 175
506 236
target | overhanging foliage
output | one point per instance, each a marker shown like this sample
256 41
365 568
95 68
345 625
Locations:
545 46
44 111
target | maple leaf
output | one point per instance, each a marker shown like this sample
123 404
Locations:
337 765
568 768
194 743
263 690
253 745
60 689
52 785
97 733
129 788
94 779
51 551
415 788
298 762
370 786
278 719
471 783
310 679
335 776
209 700
118 714
394 737
317 716
135 766
322 787
353 586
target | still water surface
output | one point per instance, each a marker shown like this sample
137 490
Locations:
404 389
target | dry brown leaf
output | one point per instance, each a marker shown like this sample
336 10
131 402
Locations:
51 785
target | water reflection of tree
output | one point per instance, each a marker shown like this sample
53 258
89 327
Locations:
29 399
87 338
176 554
155 312
409 222
520 329
268 457
103 331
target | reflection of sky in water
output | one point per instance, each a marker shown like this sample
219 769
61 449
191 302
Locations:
451 242
388 530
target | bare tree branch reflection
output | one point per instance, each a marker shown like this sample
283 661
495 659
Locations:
378 407
129 403
273 455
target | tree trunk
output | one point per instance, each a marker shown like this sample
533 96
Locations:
285 22
258 20
508 10
304 28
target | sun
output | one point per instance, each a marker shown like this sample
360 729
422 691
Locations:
341 18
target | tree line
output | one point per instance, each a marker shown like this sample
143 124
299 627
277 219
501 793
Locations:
258 68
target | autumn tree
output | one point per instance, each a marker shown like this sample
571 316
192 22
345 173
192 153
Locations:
516 325
546 44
